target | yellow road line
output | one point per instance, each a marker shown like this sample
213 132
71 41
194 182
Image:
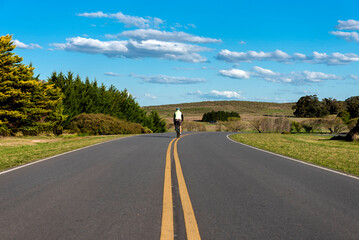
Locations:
167 232
189 217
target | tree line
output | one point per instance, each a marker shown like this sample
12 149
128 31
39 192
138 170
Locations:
310 107
32 106
90 97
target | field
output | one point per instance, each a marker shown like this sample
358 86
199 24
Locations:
15 151
313 148
244 108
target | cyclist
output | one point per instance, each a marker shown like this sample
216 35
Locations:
178 118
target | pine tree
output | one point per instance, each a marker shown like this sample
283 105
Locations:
27 104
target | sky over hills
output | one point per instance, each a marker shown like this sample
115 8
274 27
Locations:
166 52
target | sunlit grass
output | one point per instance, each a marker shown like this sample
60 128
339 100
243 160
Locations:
15 151
317 149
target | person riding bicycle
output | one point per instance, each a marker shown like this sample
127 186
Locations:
178 118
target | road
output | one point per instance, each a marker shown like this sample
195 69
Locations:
116 190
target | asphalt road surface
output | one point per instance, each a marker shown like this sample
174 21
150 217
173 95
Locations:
115 190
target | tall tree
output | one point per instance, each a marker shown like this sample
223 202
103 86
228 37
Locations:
353 106
309 106
27 104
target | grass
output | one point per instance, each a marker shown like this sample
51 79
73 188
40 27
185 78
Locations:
15 151
317 149
242 107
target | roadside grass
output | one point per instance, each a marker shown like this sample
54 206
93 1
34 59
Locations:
16 151
313 148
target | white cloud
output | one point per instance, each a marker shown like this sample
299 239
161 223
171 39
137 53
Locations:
149 96
348 25
112 74
163 79
304 77
249 56
135 49
280 56
218 95
235 73
224 94
26 46
129 21
142 34
349 36
242 42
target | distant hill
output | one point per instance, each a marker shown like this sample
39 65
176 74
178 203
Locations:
197 109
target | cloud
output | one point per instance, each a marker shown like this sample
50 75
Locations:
135 49
348 25
26 46
129 21
304 77
235 73
242 42
218 95
163 79
149 96
143 34
249 56
348 36
280 56
112 74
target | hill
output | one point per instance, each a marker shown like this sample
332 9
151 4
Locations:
196 110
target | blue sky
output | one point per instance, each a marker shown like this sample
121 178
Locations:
167 52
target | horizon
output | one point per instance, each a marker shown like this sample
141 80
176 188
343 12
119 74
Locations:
195 52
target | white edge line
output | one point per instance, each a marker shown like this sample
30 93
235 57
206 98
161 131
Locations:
295 160
48 158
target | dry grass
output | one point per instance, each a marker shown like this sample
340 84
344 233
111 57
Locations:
317 149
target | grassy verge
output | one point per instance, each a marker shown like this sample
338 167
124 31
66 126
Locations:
15 151
317 149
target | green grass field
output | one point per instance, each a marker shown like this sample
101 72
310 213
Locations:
317 149
15 151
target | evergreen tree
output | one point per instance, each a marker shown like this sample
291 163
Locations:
27 104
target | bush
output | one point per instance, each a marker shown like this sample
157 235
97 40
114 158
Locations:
30 131
219 116
311 125
282 124
297 126
194 126
345 116
233 126
101 124
4 131
334 125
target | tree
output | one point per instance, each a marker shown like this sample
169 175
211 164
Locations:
27 104
309 106
353 106
332 106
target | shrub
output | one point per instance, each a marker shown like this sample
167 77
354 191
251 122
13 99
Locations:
194 126
218 116
345 116
4 131
282 124
233 126
311 125
297 126
334 125
100 124
264 124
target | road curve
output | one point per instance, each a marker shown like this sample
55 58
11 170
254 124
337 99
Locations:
115 191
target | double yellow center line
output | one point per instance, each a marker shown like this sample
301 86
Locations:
167 229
